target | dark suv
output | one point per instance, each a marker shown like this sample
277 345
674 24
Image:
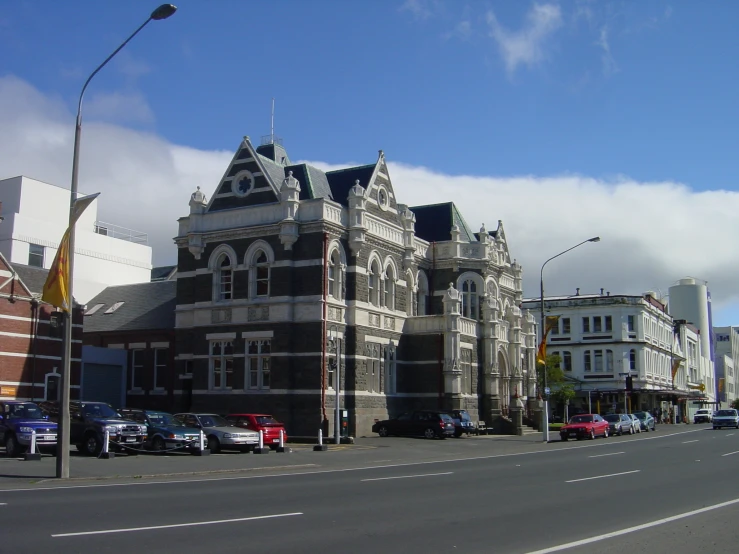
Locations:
90 420
462 422
18 420
426 423
165 431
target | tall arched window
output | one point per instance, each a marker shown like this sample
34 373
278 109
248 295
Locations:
373 284
411 299
334 275
389 288
260 274
422 294
224 278
470 306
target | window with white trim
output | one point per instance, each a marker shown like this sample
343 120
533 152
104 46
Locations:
565 322
373 356
465 362
389 288
221 364
224 278
422 294
258 363
334 275
587 360
567 361
160 368
390 370
373 284
260 274
36 255
137 369
630 323
470 307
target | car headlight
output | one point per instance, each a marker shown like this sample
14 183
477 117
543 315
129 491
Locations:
226 435
142 429
25 429
110 429
177 436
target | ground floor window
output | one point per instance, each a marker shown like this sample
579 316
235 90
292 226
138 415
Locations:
221 365
258 364
466 367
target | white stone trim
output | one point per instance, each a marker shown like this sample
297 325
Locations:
37 356
257 334
217 336
116 346
183 357
136 345
159 345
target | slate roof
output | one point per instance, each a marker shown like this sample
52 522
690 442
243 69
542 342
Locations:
147 306
342 180
163 273
33 277
434 222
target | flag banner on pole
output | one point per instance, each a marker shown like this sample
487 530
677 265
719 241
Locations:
551 322
721 384
675 366
56 287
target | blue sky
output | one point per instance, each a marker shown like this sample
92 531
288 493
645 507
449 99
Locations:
564 119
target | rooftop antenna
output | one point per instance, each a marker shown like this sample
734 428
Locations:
272 132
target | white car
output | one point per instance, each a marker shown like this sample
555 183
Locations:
726 418
703 416
220 433
636 424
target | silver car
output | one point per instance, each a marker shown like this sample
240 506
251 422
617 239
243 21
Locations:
618 424
636 423
220 433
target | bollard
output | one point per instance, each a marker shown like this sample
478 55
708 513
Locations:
281 448
261 449
320 447
31 454
106 454
201 450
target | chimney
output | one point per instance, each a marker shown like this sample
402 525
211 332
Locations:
578 291
601 292
608 293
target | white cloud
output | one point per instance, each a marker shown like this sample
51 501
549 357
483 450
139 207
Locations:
121 107
527 45
462 30
652 233
609 63
421 9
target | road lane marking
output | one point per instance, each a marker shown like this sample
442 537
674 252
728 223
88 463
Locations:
688 442
343 470
611 454
730 453
193 524
628 530
603 476
730 435
407 476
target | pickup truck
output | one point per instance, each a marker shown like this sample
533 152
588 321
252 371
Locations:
18 420
90 420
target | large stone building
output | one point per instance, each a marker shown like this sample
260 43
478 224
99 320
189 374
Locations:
286 266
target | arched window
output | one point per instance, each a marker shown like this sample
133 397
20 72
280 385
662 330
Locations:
422 294
389 288
224 278
470 307
260 274
334 275
373 284
411 299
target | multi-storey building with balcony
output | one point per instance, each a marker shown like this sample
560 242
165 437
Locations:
291 281
727 352
602 338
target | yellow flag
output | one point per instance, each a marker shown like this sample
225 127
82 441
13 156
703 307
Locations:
721 385
56 288
675 367
550 323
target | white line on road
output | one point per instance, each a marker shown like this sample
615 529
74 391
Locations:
601 455
730 435
406 476
688 442
730 453
641 527
194 524
603 476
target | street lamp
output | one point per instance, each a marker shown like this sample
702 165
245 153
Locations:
336 343
62 460
545 413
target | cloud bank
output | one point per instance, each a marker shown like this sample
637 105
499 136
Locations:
652 233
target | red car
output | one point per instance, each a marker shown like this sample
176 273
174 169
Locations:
584 426
261 422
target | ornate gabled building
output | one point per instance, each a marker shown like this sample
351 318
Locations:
286 267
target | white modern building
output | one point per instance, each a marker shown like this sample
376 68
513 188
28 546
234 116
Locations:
35 218
726 349
602 338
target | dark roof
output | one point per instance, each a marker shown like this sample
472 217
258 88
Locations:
342 180
146 306
313 181
275 152
163 273
434 222
33 277
275 171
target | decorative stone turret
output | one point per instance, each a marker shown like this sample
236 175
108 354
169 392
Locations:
290 199
517 280
452 338
357 209
198 204
456 233
408 220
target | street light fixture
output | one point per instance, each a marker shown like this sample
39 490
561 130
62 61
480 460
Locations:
62 460
545 412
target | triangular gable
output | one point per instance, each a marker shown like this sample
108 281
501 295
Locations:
258 182
500 237
381 177
10 282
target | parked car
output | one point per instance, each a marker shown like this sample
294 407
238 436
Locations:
726 418
90 420
164 431
18 420
462 423
584 426
646 421
618 424
636 423
265 423
703 416
425 423
221 434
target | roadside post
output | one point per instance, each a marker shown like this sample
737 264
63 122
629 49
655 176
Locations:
201 450
320 447
106 454
32 455
261 449
281 448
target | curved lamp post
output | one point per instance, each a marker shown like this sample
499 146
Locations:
545 412
62 460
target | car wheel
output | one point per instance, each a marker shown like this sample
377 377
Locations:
214 445
429 433
592 434
714 427
92 445
605 433
382 431
12 448
158 444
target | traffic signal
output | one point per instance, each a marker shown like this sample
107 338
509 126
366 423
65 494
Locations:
629 383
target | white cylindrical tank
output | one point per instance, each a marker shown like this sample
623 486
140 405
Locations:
689 301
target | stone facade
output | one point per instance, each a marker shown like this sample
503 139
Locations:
286 265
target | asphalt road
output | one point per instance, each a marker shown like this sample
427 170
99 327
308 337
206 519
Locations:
537 498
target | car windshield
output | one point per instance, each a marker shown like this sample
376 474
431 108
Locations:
266 420
25 411
726 413
581 419
164 420
464 416
641 415
446 417
214 421
99 410
612 418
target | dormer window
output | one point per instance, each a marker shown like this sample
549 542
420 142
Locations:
114 307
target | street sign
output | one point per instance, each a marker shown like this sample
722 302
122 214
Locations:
547 390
